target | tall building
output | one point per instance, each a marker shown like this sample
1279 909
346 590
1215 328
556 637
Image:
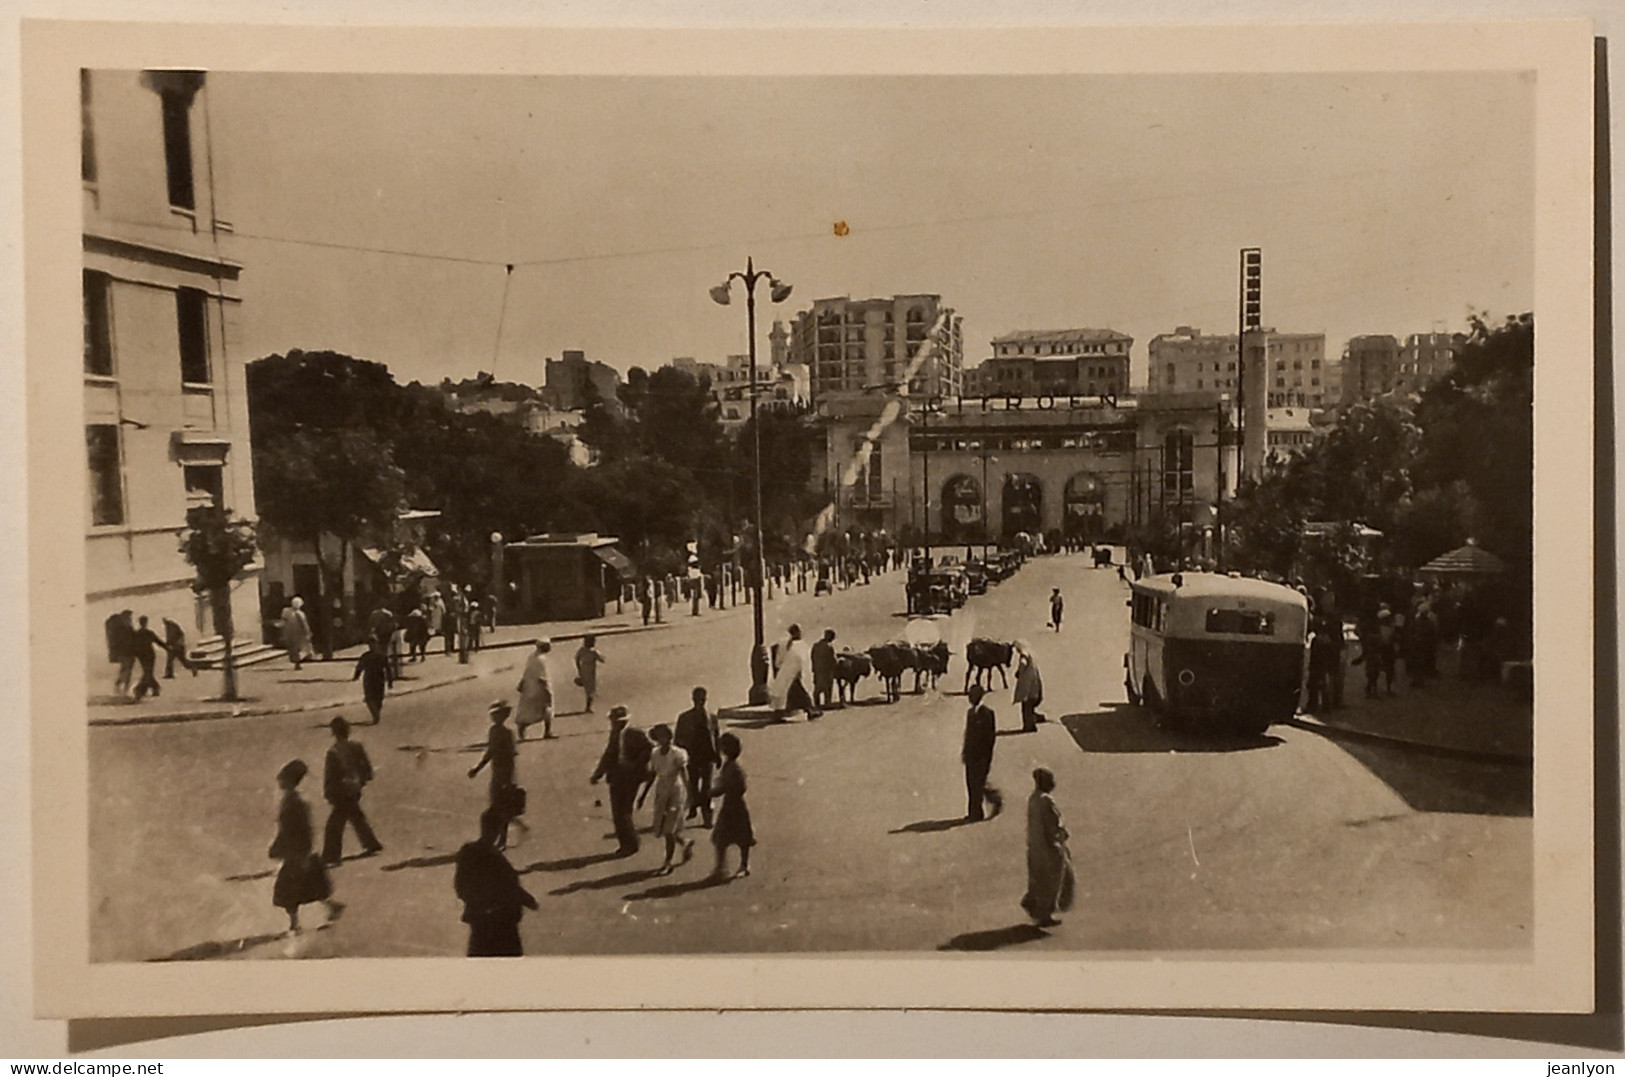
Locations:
1427 356
853 345
1187 360
1370 367
166 413
1055 362
573 380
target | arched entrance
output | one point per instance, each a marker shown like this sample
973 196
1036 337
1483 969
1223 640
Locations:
1085 516
962 510
1023 505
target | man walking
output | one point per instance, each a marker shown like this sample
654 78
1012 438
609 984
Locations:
121 649
624 764
145 644
175 650
1056 605
489 888
981 732
697 736
501 754
346 773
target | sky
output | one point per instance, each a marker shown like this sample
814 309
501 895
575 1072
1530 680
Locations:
1383 202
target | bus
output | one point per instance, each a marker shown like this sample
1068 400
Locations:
1216 652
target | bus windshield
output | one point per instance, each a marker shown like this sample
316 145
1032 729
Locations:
1240 622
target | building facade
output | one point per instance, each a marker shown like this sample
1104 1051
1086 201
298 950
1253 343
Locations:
1370 367
987 469
1187 360
1059 362
1427 356
572 381
166 409
852 345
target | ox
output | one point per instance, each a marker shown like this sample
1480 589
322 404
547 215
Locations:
984 655
890 660
850 668
930 662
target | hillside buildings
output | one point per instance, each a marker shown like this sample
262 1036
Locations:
166 414
1377 365
573 381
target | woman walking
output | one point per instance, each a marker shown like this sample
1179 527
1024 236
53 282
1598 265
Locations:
536 693
1050 882
302 878
668 773
296 632
588 659
733 817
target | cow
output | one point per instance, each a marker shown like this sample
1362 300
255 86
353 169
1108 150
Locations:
930 662
983 655
890 660
850 668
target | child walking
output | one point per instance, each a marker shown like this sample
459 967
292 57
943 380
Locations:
733 817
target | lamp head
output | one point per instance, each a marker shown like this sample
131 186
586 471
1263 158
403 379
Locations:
722 294
779 291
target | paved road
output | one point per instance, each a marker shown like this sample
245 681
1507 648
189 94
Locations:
1289 841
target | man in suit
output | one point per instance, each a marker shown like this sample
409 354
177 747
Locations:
823 669
697 735
981 733
346 772
624 764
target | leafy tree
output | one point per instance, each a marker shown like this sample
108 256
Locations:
218 548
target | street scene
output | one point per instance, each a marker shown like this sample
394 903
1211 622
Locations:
489 558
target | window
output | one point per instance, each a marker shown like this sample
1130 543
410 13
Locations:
98 324
205 484
178 147
1178 452
87 133
1241 622
191 317
106 476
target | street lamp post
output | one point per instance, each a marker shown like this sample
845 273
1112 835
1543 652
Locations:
778 292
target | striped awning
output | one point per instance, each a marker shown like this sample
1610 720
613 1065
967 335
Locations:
1468 560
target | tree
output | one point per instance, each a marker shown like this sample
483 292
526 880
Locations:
218 548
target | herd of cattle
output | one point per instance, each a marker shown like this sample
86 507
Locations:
890 661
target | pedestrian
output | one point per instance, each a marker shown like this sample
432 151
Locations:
450 620
981 732
372 669
536 692
623 765
788 692
476 623
417 635
302 878
346 774
145 644
733 816
1056 605
296 632
501 754
1029 688
1050 881
175 650
121 649
588 659
492 896
381 628
697 735
668 778
1325 650
436 613
823 669
490 608
646 598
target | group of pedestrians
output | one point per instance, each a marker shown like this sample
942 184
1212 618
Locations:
131 643
303 878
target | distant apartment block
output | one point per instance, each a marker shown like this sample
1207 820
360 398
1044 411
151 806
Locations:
1188 360
1054 362
854 345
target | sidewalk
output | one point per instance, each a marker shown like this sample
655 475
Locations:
275 687
1450 716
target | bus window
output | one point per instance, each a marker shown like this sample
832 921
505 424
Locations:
1241 622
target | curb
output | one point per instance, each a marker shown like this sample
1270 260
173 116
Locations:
1312 724
260 711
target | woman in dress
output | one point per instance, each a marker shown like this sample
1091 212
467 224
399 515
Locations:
588 659
1050 882
536 693
733 817
296 632
302 878
668 773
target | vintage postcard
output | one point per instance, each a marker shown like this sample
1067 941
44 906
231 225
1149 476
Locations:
576 519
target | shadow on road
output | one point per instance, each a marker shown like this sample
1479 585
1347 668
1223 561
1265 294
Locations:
704 882
609 881
313 680
998 938
439 861
1122 728
1434 782
571 863
932 826
252 876
203 951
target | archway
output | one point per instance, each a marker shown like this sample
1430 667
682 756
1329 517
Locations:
1085 516
962 510
1023 505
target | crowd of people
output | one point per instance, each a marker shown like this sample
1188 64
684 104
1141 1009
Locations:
132 643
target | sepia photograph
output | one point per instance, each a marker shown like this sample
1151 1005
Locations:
1019 534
